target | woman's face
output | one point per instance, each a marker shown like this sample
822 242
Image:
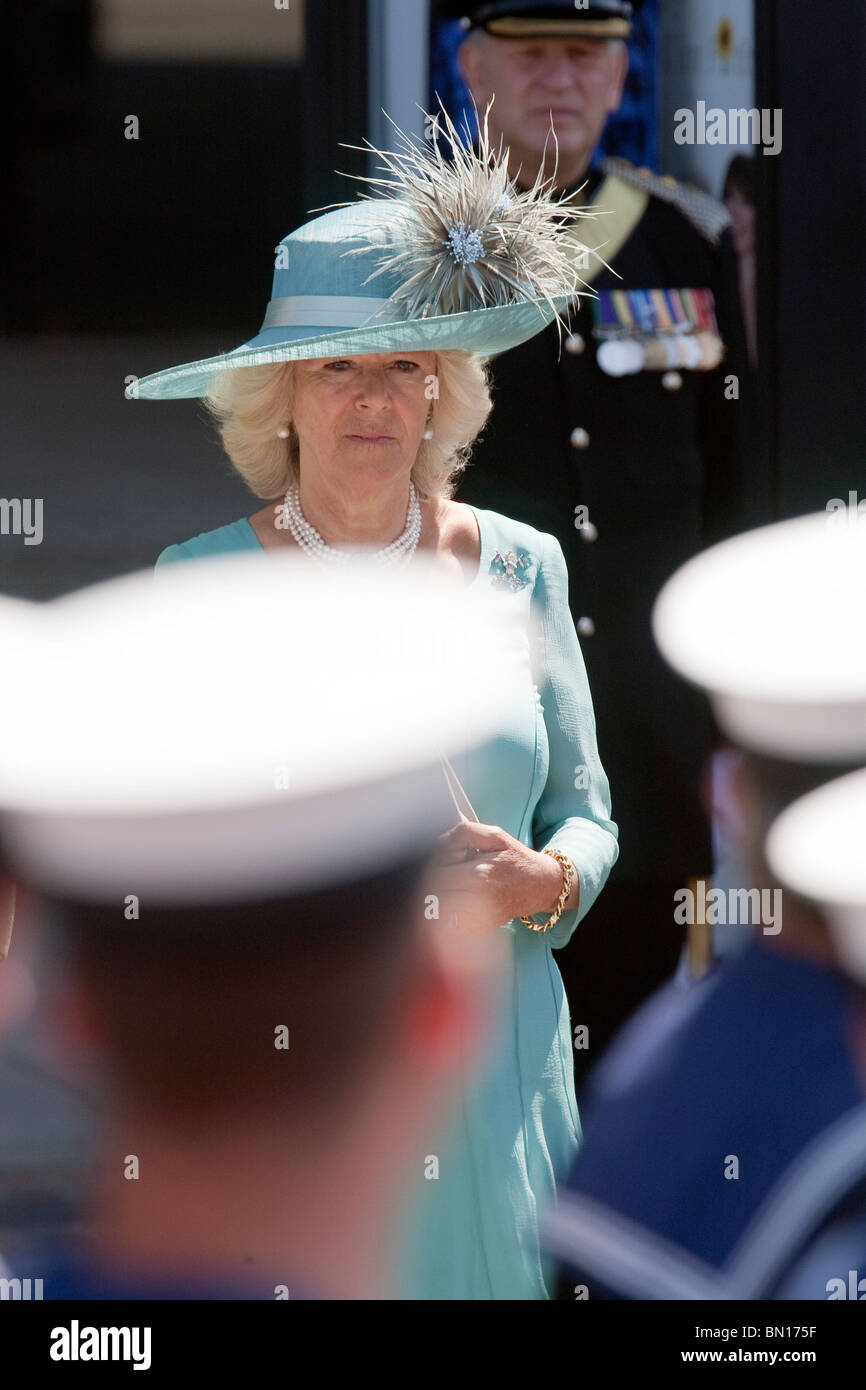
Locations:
363 417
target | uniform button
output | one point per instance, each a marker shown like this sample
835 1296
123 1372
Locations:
672 381
575 344
588 532
580 438
585 627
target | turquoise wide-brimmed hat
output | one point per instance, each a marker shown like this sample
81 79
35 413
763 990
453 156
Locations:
455 256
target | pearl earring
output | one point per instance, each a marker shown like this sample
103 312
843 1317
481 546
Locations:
282 433
428 433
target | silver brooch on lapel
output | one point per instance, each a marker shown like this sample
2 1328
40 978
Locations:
507 570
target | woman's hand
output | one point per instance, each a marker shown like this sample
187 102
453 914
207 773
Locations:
483 878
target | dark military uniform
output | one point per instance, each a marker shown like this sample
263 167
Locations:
717 1145
66 1276
655 459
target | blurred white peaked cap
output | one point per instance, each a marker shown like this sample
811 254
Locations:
771 625
816 847
245 726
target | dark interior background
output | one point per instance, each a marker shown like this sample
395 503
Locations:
160 233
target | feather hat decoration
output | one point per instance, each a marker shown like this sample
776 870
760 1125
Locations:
477 239
448 253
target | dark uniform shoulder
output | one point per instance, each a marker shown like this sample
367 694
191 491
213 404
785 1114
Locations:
705 213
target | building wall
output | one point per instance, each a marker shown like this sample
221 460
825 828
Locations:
707 54
200 30
171 224
397 67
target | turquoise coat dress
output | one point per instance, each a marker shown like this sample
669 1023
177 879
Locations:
469 1226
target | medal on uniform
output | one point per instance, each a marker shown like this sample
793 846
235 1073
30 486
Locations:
656 330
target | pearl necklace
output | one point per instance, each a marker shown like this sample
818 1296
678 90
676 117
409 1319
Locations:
291 517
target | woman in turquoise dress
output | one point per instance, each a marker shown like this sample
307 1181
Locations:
353 415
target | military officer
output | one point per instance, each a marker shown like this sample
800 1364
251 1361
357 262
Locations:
623 442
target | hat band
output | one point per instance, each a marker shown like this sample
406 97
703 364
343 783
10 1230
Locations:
322 311
522 27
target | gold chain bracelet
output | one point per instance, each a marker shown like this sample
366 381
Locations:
568 872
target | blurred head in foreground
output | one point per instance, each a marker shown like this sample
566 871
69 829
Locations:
766 625
230 818
754 1079
816 847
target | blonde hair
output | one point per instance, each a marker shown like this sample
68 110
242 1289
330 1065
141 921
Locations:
250 404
